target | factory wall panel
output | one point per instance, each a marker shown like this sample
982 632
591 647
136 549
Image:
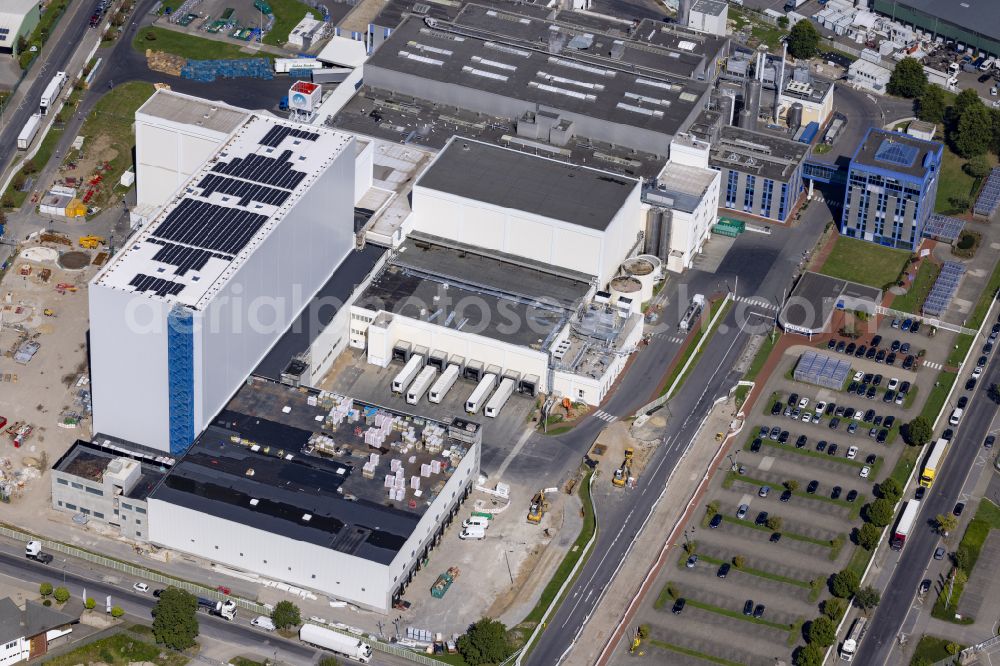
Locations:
303 564
530 238
259 302
578 250
167 155
483 226
128 354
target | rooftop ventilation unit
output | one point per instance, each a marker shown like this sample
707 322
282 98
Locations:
504 48
483 73
493 63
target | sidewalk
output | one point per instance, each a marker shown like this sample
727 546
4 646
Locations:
677 502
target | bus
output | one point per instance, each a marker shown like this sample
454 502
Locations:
933 462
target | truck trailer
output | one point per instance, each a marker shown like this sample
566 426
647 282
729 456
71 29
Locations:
51 92
905 525
351 647
850 646
406 375
443 384
224 609
29 131
481 393
500 397
420 385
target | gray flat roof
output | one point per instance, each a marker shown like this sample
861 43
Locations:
712 7
761 154
520 181
321 310
896 151
89 460
189 110
685 184
347 512
816 296
571 81
979 16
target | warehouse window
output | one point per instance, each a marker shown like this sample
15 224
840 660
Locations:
71 507
62 482
85 511
59 502
95 491
127 507
78 486
138 522
99 515
139 509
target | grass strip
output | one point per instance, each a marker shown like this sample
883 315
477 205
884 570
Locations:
761 357
801 493
287 14
757 572
985 299
765 528
738 615
189 46
705 333
692 653
914 298
931 650
963 341
864 262
987 518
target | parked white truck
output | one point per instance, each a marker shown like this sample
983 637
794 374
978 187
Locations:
29 131
33 551
351 647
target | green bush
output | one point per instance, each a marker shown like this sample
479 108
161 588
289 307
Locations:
61 594
90 604
845 583
45 589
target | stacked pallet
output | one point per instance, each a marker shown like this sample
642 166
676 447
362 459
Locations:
168 63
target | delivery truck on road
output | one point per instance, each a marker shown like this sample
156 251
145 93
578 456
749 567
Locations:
33 551
224 609
905 525
29 131
351 647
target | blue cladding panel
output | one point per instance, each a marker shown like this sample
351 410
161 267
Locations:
180 370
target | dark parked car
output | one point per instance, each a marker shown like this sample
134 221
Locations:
869 416
867 379
776 408
882 436
755 445
759 610
853 386
877 380
835 493
909 362
811 488
877 421
679 606
841 346
831 408
783 437
763 431
831 450
870 459
761 518
880 356
963 401
849 413
860 351
981 361
821 445
894 346
801 441
832 344
872 351
918 494
989 441
906 325
786 495
971 384
852 495
793 399
852 428
691 561
850 349
723 570
716 521
891 359
876 341
915 326
904 388
948 434
889 421
834 423
959 508
925 586
904 348
889 396
775 537
871 392
748 607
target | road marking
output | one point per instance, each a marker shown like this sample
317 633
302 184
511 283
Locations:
932 365
600 564
604 416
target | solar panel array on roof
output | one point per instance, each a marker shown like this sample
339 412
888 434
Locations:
275 171
159 285
246 191
989 198
822 370
895 152
943 228
944 289
210 226
183 257
277 134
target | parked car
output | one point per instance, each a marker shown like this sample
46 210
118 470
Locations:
852 453
758 611
764 491
821 445
716 521
679 606
939 553
761 518
691 561
141 588
959 508
723 570
786 495
801 441
831 450
835 493
748 607
741 512
851 495
755 445
812 487
989 441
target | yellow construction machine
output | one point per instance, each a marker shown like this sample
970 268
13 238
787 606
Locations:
539 505
625 471
91 242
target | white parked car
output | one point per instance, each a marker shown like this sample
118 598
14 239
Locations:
865 471
141 588
820 406
893 383
852 453
803 403
858 376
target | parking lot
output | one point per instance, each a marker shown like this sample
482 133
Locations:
780 517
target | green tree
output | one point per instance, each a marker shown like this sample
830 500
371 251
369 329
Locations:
774 523
963 557
792 485
945 523
117 611
867 599
890 489
61 594
918 431
964 101
974 131
45 589
810 655
931 105
908 79
89 604
993 393
978 166
783 22
739 561
175 623
803 40
879 512
485 642
844 583
833 608
959 203
822 632
286 615
868 536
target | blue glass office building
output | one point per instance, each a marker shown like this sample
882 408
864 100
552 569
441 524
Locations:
892 183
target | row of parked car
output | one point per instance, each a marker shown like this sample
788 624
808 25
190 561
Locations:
797 410
99 10
782 436
873 352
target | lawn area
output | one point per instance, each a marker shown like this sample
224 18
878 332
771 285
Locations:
287 14
913 299
39 161
46 25
188 46
931 650
987 518
705 333
961 347
118 650
864 262
954 183
985 299
693 653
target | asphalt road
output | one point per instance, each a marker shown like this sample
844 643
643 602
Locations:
912 562
764 266
55 55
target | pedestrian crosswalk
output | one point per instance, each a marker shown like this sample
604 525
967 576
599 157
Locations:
758 302
932 365
604 416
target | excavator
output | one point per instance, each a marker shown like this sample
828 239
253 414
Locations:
539 505
91 242
625 471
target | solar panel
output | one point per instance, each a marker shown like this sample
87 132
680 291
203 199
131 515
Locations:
159 285
944 289
210 226
247 192
989 198
276 171
895 152
185 258
822 370
943 228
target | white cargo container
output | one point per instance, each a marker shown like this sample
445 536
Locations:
406 375
420 385
351 647
51 92
29 131
499 398
482 391
443 384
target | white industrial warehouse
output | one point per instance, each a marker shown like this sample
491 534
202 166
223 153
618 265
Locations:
200 294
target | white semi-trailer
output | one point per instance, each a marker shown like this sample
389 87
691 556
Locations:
443 384
420 385
51 92
351 647
499 399
407 374
481 393
29 131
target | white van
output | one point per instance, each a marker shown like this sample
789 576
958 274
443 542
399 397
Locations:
956 416
473 533
476 521
988 64
263 622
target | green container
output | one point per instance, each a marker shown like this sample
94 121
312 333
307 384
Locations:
482 514
262 6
